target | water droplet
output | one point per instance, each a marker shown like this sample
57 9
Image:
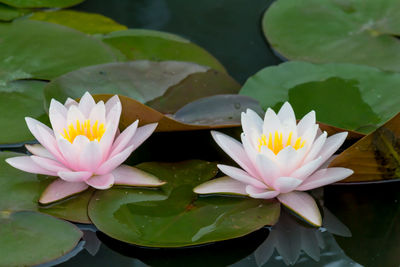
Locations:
237 105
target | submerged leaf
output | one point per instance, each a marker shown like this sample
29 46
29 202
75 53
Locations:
374 157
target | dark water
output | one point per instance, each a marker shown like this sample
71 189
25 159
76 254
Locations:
231 31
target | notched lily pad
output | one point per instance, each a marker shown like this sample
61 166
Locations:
323 31
174 216
353 97
37 49
29 238
139 44
85 22
374 157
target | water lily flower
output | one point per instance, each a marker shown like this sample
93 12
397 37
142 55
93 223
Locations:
279 158
84 148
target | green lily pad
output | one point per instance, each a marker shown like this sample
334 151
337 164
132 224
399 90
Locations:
353 97
41 3
139 44
8 13
175 216
21 191
85 22
30 238
336 31
36 49
18 100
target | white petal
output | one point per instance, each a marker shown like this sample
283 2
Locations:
269 169
306 123
39 150
287 117
316 148
98 113
26 164
255 192
324 177
271 122
127 175
74 115
302 204
124 138
114 100
241 176
74 176
332 144
101 182
221 185
306 170
235 150
91 157
251 122
286 184
57 116
49 164
86 104
111 129
141 134
290 159
309 136
70 102
60 189
48 140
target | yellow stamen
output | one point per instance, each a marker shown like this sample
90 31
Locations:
275 142
92 132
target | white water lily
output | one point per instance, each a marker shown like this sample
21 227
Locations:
84 149
279 158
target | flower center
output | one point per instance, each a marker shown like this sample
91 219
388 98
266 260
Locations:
275 142
92 132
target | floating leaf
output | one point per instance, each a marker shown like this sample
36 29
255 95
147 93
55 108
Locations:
374 157
85 22
31 238
174 216
8 13
336 31
18 100
139 44
36 49
353 97
21 191
41 3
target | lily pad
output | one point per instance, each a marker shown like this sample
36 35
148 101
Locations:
140 80
374 157
336 31
18 100
85 22
21 191
353 97
8 13
31 238
41 3
174 216
139 44
36 49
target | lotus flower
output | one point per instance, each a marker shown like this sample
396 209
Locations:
84 148
279 159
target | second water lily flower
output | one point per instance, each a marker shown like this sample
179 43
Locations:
279 158
84 149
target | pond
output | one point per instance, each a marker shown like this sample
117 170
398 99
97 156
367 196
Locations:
231 51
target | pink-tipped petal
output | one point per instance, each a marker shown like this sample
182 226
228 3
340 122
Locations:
70 102
112 163
112 122
123 139
324 177
127 175
290 159
316 148
74 115
69 153
98 113
91 157
60 189
286 184
74 177
26 164
332 144
269 170
271 122
307 169
114 100
39 150
235 150
49 164
224 185
86 104
302 204
241 176
307 122
101 182
251 122
255 192
49 142
141 134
